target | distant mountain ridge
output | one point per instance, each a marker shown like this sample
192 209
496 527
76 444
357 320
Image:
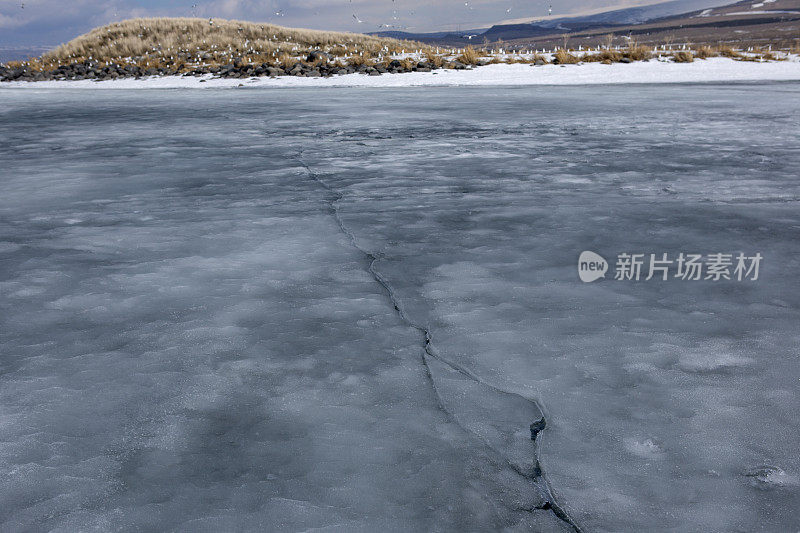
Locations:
617 17
640 14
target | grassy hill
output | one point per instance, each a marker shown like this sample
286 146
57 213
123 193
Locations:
172 41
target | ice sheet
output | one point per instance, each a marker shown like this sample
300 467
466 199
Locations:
191 342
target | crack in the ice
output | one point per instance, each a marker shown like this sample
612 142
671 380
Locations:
537 476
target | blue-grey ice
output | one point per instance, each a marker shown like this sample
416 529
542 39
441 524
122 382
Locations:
342 309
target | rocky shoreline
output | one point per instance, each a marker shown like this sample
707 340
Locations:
318 64
314 67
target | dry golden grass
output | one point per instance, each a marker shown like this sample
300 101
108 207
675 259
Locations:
495 59
634 52
762 55
406 63
727 51
704 52
360 59
683 57
562 57
603 56
637 52
434 59
191 40
469 56
286 60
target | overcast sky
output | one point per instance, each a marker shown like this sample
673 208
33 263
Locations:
50 22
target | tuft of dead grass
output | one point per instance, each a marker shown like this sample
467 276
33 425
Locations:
637 52
540 58
406 64
768 56
704 52
727 51
603 56
562 57
683 56
469 56
360 59
286 60
434 59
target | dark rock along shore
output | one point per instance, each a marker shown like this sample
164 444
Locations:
316 65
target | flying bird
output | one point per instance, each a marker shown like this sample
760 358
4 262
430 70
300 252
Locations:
358 20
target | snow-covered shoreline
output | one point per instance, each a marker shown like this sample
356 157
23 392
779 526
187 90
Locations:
717 69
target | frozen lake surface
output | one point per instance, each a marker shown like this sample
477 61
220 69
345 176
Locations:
198 326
